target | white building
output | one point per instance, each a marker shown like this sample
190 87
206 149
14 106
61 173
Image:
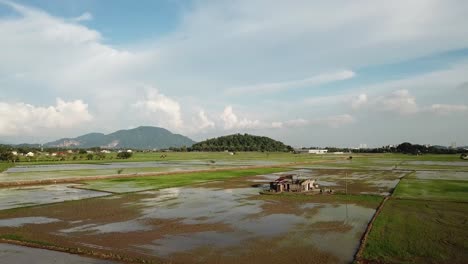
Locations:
30 154
318 151
105 151
129 151
14 153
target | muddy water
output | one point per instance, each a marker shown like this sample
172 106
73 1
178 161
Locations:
191 164
319 226
18 222
27 196
189 220
61 171
10 254
441 175
200 224
439 163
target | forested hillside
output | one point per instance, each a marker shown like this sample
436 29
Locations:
239 142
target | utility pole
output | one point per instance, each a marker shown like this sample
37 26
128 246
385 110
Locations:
346 183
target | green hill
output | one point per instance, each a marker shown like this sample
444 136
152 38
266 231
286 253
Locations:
238 142
143 137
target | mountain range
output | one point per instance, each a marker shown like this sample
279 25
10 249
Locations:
143 137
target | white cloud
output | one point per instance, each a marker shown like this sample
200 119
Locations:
57 54
444 109
359 101
22 118
297 122
282 86
276 124
403 103
231 121
221 44
160 109
86 16
400 101
335 121
203 122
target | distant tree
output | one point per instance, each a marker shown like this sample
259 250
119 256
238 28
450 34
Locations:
82 151
90 156
405 147
124 155
8 156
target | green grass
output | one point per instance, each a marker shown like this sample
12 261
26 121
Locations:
176 156
19 238
5 166
410 231
446 190
174 180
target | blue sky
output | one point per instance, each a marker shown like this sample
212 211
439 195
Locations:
309 73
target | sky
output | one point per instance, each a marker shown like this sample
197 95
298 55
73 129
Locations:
308 73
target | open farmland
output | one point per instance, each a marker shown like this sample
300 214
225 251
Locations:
425 220
199 211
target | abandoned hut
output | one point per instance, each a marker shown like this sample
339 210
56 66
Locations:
293 183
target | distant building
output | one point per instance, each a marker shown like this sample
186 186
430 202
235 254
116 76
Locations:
129 150
105 151
14 153
311 151
318 151
29 154
338 152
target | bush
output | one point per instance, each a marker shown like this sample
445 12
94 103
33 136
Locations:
90 156
124 155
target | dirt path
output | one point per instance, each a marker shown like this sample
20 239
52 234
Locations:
133 175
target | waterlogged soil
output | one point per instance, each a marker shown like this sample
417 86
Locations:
440 175
190 164
200 224
35 195
339 180
439 163
25 255
63 171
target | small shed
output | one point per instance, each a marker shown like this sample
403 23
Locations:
293 183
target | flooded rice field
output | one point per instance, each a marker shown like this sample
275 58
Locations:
440 175
35 195
60 171
441 163
147 164
355 181
215 222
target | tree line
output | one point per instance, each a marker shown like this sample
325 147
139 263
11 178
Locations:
405 148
